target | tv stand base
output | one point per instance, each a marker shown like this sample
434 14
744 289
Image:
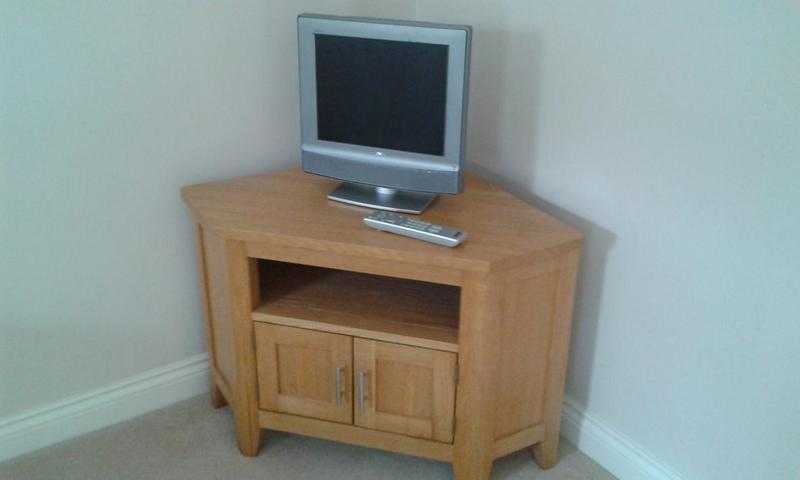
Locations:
382 198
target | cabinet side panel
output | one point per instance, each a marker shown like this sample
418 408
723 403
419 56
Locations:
527 319
221 329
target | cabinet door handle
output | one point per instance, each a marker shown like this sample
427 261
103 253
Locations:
339 386
360 387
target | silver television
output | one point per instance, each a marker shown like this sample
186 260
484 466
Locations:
383 107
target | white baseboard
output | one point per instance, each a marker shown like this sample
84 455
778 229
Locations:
614 451
134 396
163 386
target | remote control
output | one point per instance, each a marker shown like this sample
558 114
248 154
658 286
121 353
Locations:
403 225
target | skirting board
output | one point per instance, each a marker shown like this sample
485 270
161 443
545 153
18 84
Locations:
134 396
614 451
163 386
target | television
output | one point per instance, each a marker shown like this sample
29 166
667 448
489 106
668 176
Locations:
383 107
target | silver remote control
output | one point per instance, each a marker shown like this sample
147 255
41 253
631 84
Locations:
409 227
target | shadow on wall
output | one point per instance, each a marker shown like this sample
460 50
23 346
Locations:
503 106
504 145
597 244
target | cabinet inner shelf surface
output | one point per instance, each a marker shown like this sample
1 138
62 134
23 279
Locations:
363 305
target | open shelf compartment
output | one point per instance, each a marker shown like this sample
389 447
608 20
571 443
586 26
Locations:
362 305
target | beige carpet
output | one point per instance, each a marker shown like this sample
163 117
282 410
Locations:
190 440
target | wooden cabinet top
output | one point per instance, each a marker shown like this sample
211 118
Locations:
291 208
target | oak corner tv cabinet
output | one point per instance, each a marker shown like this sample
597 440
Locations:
321 326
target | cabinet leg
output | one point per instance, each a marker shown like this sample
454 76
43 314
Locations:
479 468
476 401
248 436
217 398
242 296
545 453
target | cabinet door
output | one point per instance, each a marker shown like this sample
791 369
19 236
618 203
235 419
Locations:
304 372
407 390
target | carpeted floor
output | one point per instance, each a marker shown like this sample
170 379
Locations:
190 440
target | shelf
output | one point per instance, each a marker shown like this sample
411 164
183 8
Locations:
358 304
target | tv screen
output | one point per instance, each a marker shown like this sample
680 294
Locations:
381 93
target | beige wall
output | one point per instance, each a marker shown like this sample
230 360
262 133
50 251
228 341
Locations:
107 109
670 133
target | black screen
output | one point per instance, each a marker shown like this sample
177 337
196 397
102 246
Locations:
381 93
